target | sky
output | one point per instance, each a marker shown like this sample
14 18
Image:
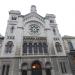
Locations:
63 9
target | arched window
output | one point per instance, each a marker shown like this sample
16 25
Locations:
54 31
48 68
58 47
12 29
24 68
8 47
70 45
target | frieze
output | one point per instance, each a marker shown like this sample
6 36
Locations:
34 38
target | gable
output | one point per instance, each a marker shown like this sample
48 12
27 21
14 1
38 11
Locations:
33 17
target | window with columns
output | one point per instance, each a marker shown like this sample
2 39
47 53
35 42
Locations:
30 47
35 46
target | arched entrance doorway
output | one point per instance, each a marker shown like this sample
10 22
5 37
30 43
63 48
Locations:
36 68
24 69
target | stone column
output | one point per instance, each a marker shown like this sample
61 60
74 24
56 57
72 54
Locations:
20 72
43 72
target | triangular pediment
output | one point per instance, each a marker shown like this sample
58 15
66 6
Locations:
33 14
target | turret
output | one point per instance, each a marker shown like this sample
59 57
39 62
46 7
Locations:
33 8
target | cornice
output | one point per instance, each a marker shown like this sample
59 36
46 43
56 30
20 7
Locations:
34 56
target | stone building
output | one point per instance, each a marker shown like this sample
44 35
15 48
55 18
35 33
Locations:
69 45
33 46
1 42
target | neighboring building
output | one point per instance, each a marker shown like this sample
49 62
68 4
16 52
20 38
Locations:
69 45
33 46
1 42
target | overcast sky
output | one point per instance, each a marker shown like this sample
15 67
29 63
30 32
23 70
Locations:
63 9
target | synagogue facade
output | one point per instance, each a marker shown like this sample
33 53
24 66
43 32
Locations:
33 46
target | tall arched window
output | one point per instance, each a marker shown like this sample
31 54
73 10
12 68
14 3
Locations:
40 47
8 47
58 47
12 29
45 47
35 48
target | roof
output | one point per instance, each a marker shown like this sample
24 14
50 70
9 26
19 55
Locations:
68 37
14 12
1 37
